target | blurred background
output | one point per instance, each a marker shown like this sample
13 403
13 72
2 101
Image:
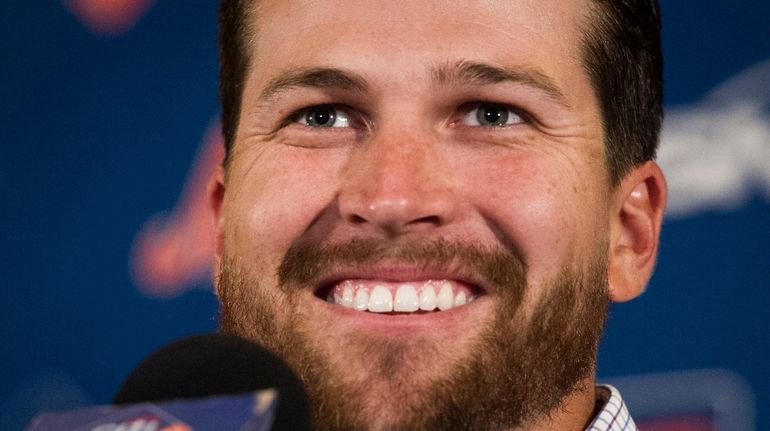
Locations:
108 117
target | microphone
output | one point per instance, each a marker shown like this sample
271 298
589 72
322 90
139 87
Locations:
209 382
217 364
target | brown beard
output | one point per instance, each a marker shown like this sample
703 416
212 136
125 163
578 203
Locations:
521 367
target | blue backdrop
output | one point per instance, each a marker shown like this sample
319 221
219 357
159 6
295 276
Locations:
108 121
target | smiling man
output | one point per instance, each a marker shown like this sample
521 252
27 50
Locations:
426 207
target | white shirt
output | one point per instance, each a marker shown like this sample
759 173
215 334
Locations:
614 414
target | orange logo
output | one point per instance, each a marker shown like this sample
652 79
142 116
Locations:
173 252
109 17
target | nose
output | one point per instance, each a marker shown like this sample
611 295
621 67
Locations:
395 184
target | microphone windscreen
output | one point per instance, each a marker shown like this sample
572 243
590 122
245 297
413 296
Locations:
217 364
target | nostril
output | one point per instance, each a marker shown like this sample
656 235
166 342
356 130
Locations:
434 220
357 219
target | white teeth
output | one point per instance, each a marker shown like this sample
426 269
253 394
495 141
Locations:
406 298
380 301
361 300
460 299
445 299
402 298
347 297
428 298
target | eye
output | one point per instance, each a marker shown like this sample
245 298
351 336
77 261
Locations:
323 116
491 115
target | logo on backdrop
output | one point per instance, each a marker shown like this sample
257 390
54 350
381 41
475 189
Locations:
108 17
172 252
715 153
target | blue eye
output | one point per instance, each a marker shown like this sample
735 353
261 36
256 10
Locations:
323 116
491 115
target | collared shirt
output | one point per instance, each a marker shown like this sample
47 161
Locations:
613 415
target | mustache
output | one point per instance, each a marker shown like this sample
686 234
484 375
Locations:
304 263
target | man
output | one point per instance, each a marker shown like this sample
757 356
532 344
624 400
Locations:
426 206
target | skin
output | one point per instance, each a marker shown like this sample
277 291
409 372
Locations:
414 167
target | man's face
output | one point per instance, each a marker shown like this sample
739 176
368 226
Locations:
415 215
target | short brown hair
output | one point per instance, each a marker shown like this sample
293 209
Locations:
622 56
624 61
234 60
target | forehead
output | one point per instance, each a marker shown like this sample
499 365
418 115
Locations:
402 36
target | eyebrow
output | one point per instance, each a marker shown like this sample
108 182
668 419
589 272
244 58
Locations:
466 72
461 72
317 77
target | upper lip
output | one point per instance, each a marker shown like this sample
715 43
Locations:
400 273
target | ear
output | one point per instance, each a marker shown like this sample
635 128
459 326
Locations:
216 195
637 214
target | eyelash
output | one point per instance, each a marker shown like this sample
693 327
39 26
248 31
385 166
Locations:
302 113
466 108
463 110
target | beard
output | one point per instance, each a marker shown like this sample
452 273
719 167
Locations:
519 365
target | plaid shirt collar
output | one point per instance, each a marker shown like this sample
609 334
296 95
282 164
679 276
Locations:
613 415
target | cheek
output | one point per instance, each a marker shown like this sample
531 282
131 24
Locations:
274 198
542 206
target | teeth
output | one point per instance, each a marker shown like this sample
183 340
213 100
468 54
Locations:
380 301
428 298
406 298
386 297
460 299
347 297
361 301
445 299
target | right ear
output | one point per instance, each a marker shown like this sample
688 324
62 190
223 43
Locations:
216 196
